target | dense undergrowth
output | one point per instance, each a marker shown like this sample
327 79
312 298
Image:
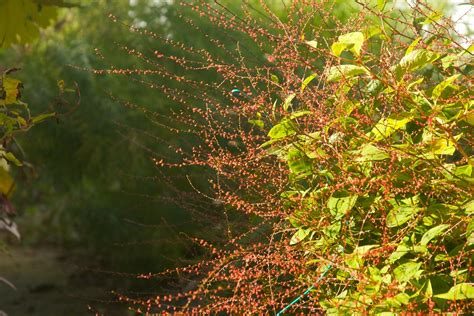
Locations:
347 145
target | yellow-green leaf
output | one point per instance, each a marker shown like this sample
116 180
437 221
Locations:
370 153
337 73
400 215
6 182
432 233
461 291
288 101
350 41
10 88
387 126
339 205
299 236
306 81
442 86
407 271
313 43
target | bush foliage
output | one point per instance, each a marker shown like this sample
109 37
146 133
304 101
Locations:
346 143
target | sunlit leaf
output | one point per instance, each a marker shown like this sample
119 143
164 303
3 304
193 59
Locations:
6 182
461 291
412 46
434 17
442 86
350 41
415 60
306 81
407 271
288 101
339 204
381 4
370 153
400 215
282 130
337 73
432 233
10 88
387 126
20 20
42 117
299 236
313 44
10 157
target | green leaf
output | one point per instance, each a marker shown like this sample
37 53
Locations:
42 117
306 81
313 43
337 73
283 129
461 291
429 290
407 271
469 207
9 90
415 60
20 20
401 250
340 204
274 78
258 123
412 46
351 41
299 114
470 233
299 236
432 233
400 215
6 182
435 16
381 4
288 101
370 153
387 126
298 162
10 157
355 260
442 146
442 86
463 171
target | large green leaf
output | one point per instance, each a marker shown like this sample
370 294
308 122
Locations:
461 291
283 129
387 126
407 271
369 152
415 60
298 162
442 86
350 41
432 233
470 233
9 90
299 236
340 204
337 73
288 101
306 82
400 215
20 20
6 182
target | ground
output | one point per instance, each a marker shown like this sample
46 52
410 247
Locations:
53 282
